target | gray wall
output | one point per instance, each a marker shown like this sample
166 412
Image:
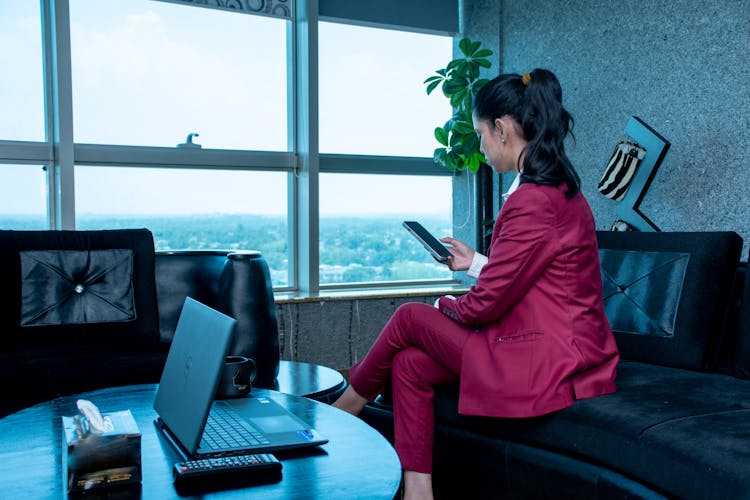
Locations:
680 65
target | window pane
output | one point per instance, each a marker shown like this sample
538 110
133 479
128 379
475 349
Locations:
191 209
372 99
23 197
361 238
148 73
22 83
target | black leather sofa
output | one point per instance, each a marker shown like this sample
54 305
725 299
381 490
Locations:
678 425
84 310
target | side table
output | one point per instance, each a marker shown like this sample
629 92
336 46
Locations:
309 380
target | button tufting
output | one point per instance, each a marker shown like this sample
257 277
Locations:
79 288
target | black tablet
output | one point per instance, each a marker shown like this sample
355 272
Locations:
432 244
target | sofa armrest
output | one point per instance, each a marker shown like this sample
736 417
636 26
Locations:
235 283
245 293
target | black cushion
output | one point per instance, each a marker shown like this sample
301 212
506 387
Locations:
642 290
76 286
674 305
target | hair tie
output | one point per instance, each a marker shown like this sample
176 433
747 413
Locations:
526 79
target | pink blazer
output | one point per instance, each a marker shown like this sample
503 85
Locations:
542 337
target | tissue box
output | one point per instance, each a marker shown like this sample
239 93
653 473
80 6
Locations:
100 460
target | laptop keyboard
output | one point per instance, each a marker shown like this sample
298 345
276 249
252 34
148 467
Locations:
225 429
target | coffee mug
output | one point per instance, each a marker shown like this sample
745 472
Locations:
236 377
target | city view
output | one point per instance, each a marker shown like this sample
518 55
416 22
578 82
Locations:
352 249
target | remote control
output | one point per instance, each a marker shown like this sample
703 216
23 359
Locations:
241 465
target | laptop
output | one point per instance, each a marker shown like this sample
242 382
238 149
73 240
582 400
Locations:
187 413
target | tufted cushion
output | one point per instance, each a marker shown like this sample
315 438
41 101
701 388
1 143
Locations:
667 294
76 286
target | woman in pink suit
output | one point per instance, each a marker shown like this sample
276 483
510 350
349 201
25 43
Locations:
530 337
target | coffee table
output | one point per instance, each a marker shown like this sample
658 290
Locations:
356 463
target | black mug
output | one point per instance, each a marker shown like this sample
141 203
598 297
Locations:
236 377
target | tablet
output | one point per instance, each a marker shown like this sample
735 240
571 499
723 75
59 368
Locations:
432 244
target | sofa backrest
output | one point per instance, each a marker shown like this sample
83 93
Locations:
667 294
78 312
738 347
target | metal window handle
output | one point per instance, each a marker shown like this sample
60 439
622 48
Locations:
189 141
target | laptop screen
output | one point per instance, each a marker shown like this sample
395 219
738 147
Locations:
191 372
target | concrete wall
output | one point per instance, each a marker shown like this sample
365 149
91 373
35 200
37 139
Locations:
335 332
681 65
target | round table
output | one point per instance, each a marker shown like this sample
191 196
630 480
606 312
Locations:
309 380
356 463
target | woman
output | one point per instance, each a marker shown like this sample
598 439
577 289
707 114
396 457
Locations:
531 336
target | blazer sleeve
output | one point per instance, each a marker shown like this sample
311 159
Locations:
524 242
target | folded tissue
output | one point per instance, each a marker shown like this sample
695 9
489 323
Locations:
100 450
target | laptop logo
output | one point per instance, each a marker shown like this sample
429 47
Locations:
188 367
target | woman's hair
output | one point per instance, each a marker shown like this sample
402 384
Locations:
534 101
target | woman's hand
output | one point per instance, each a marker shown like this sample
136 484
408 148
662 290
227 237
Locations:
463 255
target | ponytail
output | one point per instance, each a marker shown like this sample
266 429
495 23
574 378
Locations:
534 101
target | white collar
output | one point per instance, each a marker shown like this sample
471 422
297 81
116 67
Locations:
513 186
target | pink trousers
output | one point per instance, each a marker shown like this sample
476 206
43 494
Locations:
417 349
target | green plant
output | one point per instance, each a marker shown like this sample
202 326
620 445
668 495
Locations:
460 82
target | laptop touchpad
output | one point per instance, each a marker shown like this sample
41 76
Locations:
278 423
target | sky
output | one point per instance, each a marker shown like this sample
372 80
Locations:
148 73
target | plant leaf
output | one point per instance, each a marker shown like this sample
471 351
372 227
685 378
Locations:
432 86
441 135
457 99
485 63
465 46
471 143
455 84
453 64
463 127
439 156
482 53
473 72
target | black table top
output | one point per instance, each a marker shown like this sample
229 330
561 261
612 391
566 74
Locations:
310 380
357 462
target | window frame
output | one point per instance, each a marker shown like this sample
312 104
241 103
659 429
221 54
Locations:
303 162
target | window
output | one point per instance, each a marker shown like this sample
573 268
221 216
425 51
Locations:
361 238
23 197
191 209
22 84
148 73
373 102
123 84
